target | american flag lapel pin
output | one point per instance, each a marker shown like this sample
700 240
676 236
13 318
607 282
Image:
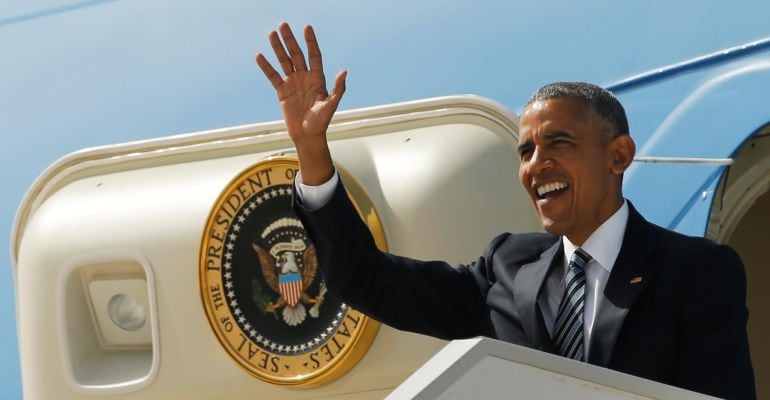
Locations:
637 279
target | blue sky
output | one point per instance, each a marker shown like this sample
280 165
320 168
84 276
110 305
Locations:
77 74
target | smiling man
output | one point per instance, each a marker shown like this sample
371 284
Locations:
602 286
574 146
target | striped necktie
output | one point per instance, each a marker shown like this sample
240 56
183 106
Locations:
568 329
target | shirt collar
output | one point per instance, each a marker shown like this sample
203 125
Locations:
604 243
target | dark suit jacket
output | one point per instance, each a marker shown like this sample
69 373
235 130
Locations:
674 308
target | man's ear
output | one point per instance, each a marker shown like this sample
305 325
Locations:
623 150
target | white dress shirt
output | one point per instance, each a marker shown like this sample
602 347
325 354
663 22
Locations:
315 197
603 246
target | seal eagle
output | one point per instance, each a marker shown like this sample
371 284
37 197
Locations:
289 281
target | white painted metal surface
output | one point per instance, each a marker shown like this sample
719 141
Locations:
483 368
441 174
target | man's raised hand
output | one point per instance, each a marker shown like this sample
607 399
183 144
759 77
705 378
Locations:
306 104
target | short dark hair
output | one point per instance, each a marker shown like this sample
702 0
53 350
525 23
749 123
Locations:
595 98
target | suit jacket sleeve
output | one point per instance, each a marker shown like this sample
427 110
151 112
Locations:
428 297
714 351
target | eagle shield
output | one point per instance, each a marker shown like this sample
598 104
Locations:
290 287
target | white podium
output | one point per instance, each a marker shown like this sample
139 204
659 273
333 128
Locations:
488 369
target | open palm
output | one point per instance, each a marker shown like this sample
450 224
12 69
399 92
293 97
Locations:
306 104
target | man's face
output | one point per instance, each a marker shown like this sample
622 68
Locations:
569 166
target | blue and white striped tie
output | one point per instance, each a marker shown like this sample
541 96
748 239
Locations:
568 329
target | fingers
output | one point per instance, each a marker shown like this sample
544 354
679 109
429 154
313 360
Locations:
292 59
313 51
280 53
297 58
269 71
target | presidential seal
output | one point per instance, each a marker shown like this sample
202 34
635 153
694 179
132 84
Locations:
261 289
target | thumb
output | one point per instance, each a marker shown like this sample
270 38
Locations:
339 87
